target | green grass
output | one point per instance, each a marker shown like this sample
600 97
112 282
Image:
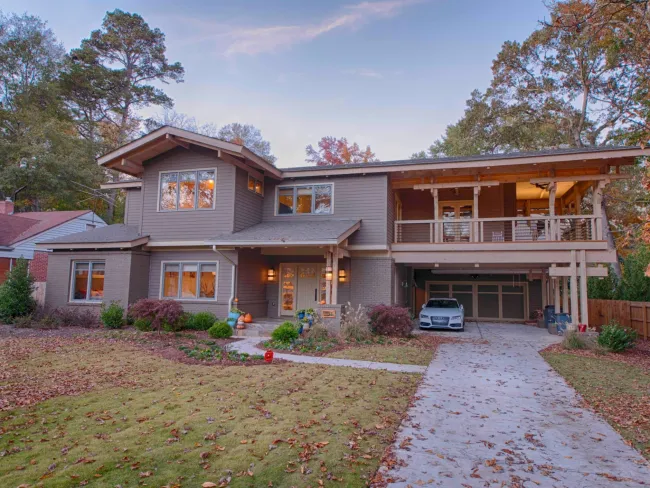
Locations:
155 431
399 354
617 390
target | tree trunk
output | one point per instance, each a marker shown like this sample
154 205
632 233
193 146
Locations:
616 267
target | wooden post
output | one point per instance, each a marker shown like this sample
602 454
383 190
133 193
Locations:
598 209
552 190
477 192
328 286
335 276
436 214
584 305
544 290
565 294
645 320
556 290
574 290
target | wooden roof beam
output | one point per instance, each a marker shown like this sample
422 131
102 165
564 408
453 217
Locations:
465 184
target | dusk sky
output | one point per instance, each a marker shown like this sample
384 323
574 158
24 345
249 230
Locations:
388 73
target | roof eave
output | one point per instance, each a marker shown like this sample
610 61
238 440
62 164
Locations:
93 245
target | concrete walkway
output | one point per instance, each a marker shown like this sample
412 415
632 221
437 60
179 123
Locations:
248 345
497 415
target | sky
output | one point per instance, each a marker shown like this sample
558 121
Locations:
391 74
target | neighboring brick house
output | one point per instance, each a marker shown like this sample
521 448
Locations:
19 233
208 221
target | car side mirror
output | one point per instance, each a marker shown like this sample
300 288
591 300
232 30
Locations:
424 305
461 307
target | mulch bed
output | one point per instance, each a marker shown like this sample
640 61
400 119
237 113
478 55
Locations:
638 356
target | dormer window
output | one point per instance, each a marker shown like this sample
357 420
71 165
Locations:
304 199
187 190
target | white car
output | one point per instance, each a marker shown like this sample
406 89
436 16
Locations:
442 313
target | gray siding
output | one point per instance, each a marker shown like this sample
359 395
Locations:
355 197
371 281
248 205
139 287
219 306
133 208
251 282
191 224
122 282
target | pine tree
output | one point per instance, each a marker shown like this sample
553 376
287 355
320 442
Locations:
16 293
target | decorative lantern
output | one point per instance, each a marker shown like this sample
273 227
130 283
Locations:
342 276
268 356
270 275
328 273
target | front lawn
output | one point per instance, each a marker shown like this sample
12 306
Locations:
398 354
614 386
106 412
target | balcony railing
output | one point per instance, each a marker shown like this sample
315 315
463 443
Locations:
559 228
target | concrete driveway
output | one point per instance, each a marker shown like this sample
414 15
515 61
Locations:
497 415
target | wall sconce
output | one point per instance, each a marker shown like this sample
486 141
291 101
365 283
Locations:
270 275
342 276
328 273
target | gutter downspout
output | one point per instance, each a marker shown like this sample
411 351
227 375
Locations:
233 278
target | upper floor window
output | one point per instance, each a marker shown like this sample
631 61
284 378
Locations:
187 190
255 185
305 199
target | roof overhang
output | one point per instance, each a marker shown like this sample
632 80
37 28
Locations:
129 158
94 245
121 184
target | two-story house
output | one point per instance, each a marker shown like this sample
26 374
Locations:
208 221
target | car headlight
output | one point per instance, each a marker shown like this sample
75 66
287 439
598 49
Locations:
457 317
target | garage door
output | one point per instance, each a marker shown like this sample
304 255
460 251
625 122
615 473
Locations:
489 301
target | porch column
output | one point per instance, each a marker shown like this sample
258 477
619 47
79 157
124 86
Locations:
574 290
335 275
552 190
565 294
544 290
557 302
328 287
584 299
597 202
475 225
436 202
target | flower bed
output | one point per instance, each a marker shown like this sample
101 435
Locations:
211 351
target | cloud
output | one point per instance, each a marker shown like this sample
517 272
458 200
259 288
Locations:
366 73
273 38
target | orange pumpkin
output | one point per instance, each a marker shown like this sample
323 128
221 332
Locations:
248 318
322 302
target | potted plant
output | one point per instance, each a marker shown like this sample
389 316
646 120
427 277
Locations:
538 315
300 314
310 314
233 316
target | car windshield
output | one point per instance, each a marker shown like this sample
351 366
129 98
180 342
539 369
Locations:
442 304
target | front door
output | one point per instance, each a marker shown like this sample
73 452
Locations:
302 286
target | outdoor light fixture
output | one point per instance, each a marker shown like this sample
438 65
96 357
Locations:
328 273
270 274
342 276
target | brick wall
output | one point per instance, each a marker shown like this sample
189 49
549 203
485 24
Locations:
371 281
38 266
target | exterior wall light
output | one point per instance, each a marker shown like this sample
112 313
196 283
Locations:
342 276
270 275
328 273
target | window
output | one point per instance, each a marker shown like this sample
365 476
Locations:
90 226
189 281
305 199
255 185
187 190
88 281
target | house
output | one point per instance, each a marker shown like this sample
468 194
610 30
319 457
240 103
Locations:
19 233
208 221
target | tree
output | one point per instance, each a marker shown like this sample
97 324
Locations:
120 62
332 151
249 136
182 121
16 293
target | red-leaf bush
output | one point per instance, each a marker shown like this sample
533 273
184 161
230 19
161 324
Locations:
163 314
391 321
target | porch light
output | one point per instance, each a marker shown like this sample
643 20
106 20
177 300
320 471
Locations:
342 276
328 273
270 274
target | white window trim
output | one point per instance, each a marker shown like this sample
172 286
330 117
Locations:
253 190
196 194
198 281
90 263
276 204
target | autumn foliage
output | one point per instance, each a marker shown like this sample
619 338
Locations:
332 151
163 314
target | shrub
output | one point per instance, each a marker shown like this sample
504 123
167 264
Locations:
286 332
390 321
318 332
572 340
112 316
16 293
220 330
163 314
616 338
142 324
354 324
75 317
201 321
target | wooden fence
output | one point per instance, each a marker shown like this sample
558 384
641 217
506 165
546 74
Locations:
635 315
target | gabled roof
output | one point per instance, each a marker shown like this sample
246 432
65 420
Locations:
24 225
116 235
290 233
